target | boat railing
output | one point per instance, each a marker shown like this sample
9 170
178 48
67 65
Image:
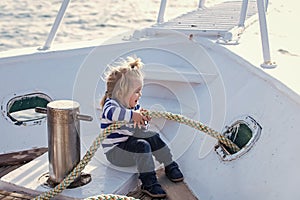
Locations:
201 5
264 35
56 25
162 9
261 6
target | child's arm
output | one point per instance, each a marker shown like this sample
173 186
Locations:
138 119
117 113
114 112
148 117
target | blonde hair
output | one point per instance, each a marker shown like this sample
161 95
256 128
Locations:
119 79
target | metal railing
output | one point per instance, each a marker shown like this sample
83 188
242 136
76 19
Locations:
264 35
162 9
201 4
161 13
56 25
262 6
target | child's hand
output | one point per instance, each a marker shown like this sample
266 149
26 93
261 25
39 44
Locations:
148 117
138 119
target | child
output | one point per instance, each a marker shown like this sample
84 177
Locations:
133 144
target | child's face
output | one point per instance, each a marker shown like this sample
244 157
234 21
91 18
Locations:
137 93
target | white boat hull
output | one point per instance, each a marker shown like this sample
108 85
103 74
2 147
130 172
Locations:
197 79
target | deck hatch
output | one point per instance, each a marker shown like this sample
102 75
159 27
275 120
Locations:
243 132
21 109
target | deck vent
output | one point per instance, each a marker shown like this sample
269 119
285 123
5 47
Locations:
21 109
244 132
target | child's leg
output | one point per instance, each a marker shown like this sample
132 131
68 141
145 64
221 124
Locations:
163 154
134 151
138 151
159 148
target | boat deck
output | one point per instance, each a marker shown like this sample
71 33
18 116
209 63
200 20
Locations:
222 18
12 161
5 195
174 190
284 48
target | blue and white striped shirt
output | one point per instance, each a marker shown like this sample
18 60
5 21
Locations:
112 112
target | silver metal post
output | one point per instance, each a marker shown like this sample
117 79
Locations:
243 13
63 137
201 4
56 24
160 18
264 36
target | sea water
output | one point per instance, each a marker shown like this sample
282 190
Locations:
27 23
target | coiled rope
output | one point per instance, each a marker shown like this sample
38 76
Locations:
97 142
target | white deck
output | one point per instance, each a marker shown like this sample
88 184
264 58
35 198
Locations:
106 179
283 36
284 44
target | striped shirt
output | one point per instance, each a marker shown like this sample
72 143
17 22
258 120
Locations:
112 112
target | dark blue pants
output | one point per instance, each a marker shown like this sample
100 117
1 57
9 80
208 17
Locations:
138 150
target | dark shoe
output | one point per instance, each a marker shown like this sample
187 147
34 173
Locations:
173 172
154 191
